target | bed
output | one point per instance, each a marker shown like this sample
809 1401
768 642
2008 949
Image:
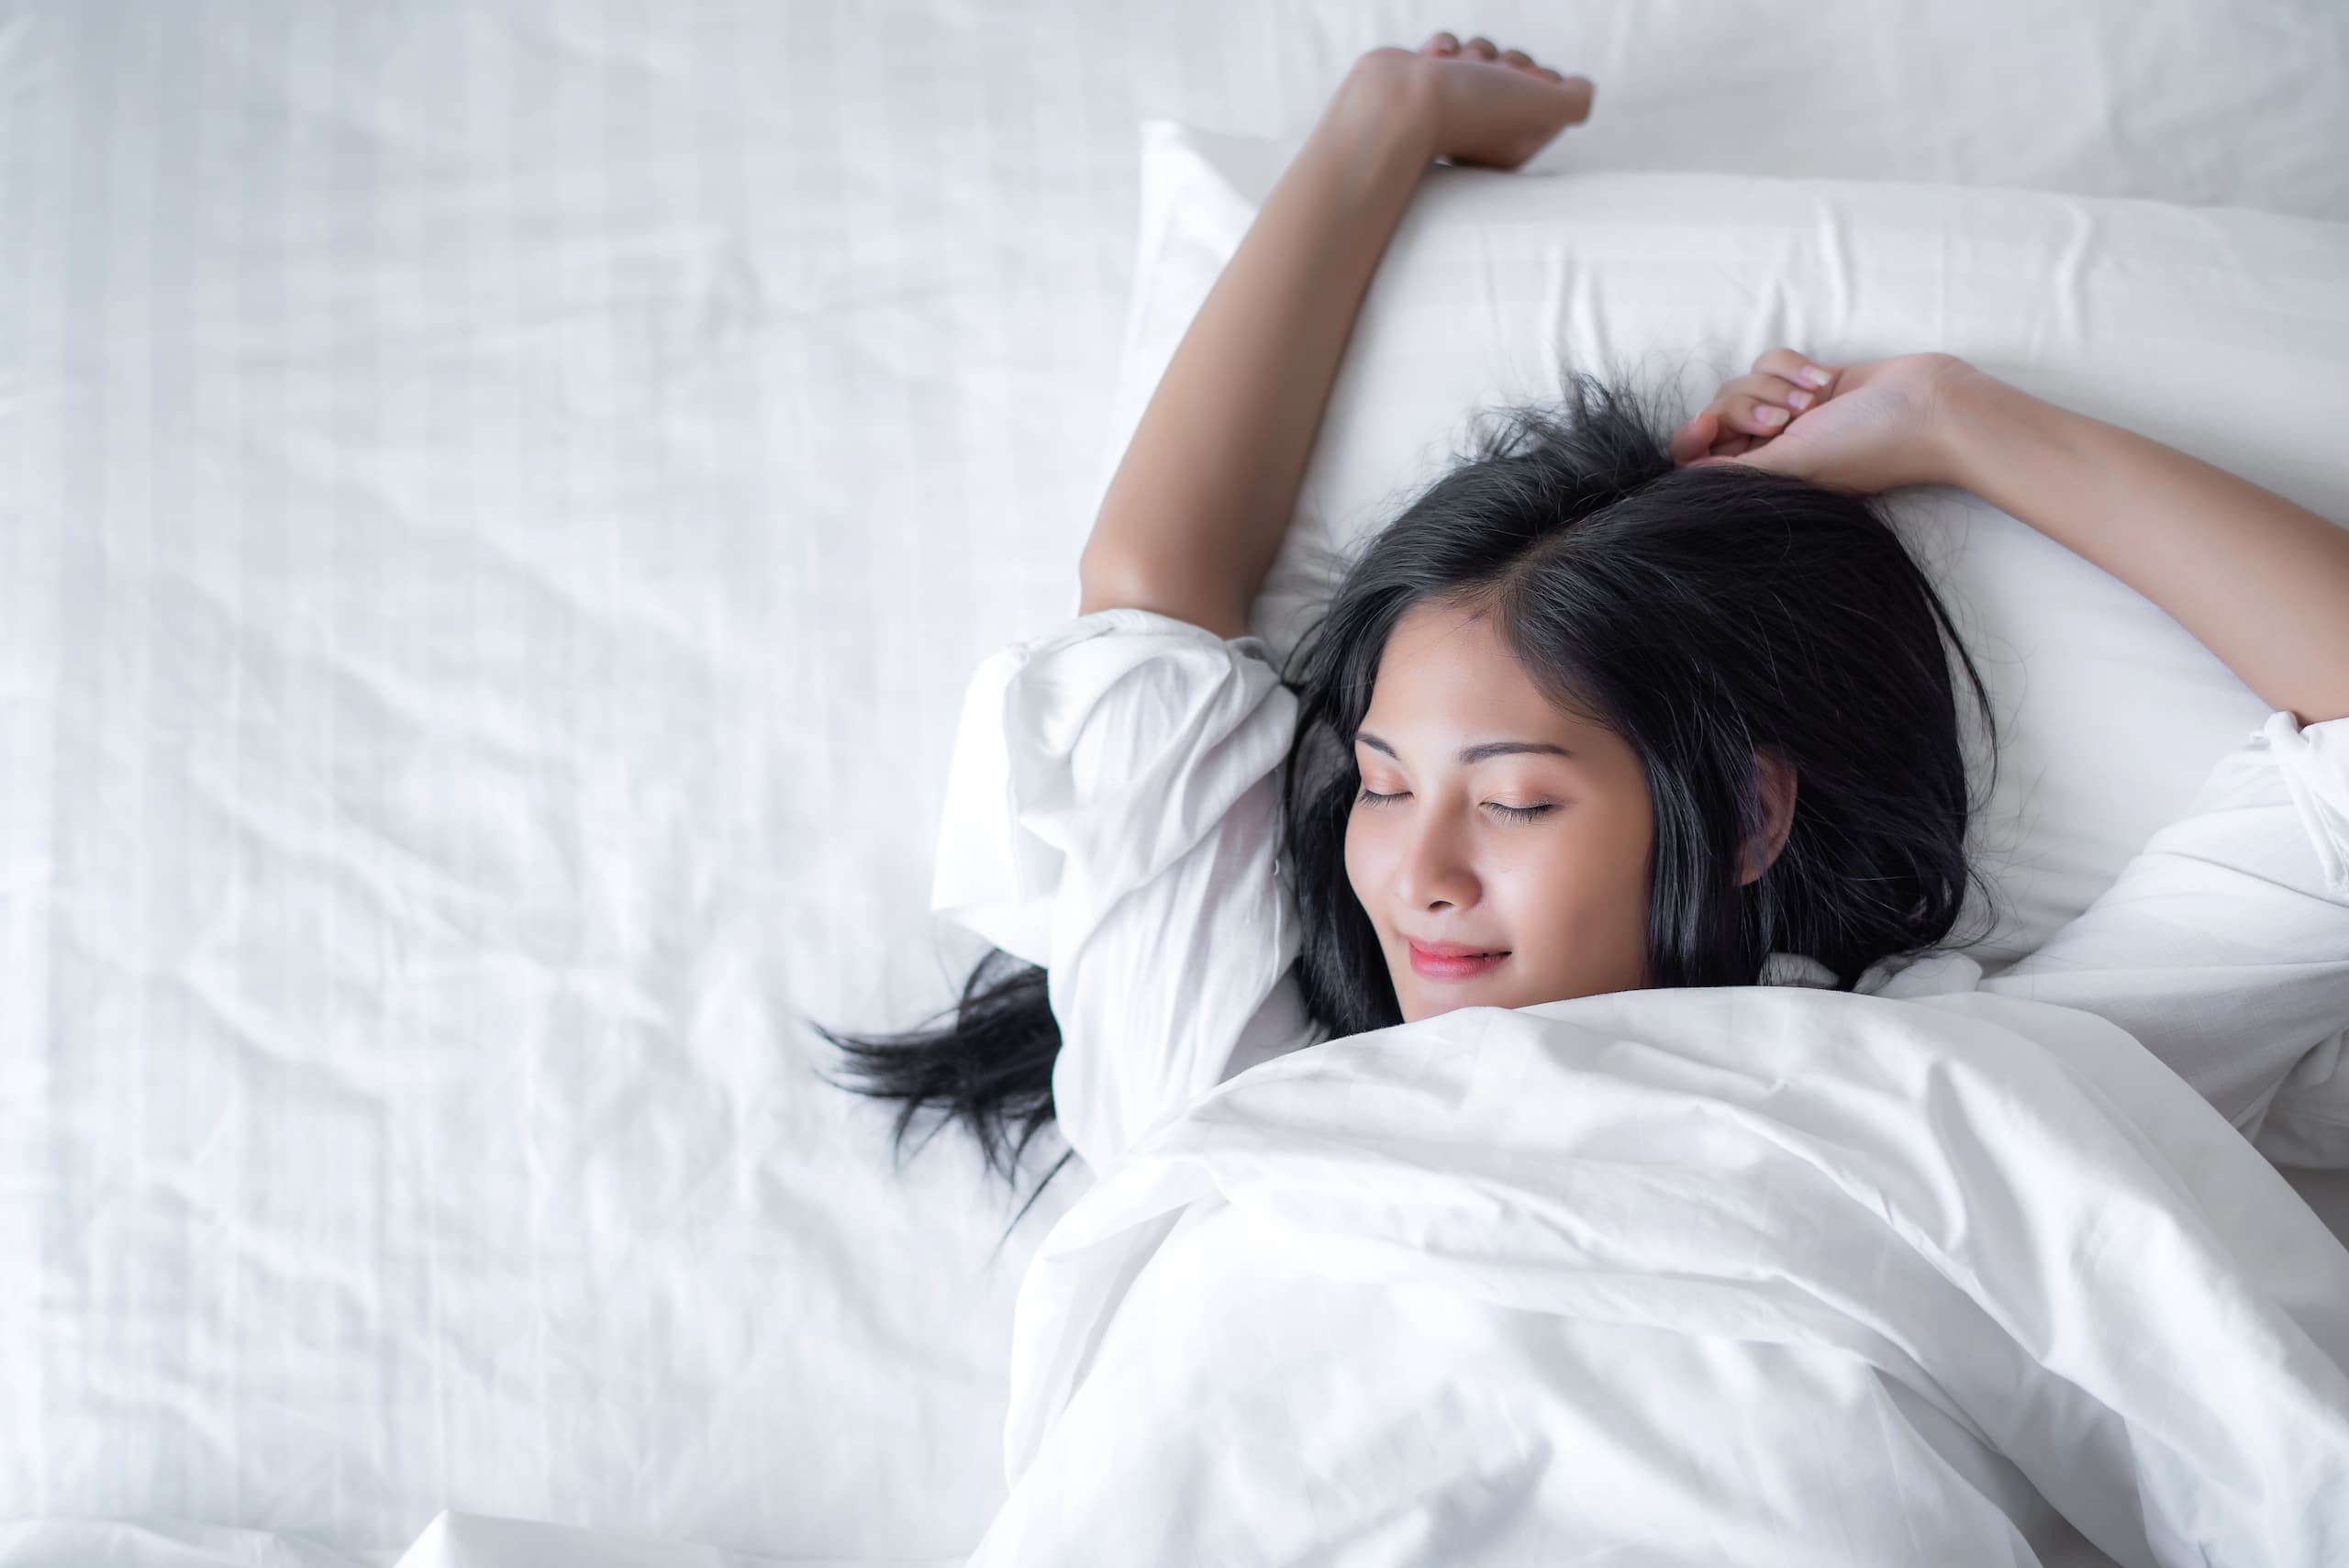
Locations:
499 504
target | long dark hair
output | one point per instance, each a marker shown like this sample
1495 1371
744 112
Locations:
1700 613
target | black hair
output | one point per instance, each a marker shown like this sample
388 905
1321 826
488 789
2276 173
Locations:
1701 613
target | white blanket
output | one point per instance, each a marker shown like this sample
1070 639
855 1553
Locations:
1742 1275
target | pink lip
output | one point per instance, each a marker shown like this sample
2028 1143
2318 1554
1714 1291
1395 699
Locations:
1451 960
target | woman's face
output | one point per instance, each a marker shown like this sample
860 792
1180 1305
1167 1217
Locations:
1563 894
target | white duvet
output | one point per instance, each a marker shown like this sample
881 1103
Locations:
1749 1275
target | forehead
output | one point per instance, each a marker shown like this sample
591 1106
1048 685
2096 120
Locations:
1446 671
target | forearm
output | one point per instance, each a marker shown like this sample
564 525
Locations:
1195 514
2263 582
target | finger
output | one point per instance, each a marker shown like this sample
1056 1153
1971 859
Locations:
1766 388
1578 105
1547 74
1482 48
1770 457
1442 43
1793 368
1696 438
1516 57
1754 411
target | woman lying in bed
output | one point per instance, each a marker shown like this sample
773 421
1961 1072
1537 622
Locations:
1605 709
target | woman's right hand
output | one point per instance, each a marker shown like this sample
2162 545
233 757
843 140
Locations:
1861 427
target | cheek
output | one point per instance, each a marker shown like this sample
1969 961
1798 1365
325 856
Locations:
1359 857
1561 887
1536 883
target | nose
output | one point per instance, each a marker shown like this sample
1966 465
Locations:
1434 869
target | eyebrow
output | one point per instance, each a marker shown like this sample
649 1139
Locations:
1476 753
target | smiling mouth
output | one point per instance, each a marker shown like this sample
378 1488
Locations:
1462 966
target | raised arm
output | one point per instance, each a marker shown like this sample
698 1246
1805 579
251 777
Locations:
2263 582
1195 514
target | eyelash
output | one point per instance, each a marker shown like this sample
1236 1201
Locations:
1515 813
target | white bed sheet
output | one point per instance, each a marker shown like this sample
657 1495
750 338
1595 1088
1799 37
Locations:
497 505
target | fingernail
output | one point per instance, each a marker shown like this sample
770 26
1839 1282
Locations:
1769 416
1816 376
1800 398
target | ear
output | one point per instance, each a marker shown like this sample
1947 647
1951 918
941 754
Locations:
1777 779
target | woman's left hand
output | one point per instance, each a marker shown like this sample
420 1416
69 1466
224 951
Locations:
1486 107
1861 427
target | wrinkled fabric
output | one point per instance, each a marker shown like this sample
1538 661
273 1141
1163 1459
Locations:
1749 1275
1111 814
2315 765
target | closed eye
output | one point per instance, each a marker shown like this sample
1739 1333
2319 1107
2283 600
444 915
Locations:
1514 813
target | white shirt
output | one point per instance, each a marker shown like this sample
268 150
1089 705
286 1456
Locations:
1112 809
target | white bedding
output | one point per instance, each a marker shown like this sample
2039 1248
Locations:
1740 1275
497 506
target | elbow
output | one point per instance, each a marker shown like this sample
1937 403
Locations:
1104 585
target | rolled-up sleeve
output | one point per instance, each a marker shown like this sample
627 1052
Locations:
2223 946
1112 814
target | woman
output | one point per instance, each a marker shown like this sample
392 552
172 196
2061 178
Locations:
1602 710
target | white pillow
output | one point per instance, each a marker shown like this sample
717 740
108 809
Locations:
2223 331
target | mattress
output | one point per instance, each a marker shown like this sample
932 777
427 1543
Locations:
497 508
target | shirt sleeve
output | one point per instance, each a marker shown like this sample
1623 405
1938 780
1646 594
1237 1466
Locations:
1112 809
2223 946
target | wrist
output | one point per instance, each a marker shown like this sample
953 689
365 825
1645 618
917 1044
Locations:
1390 95
1968 403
